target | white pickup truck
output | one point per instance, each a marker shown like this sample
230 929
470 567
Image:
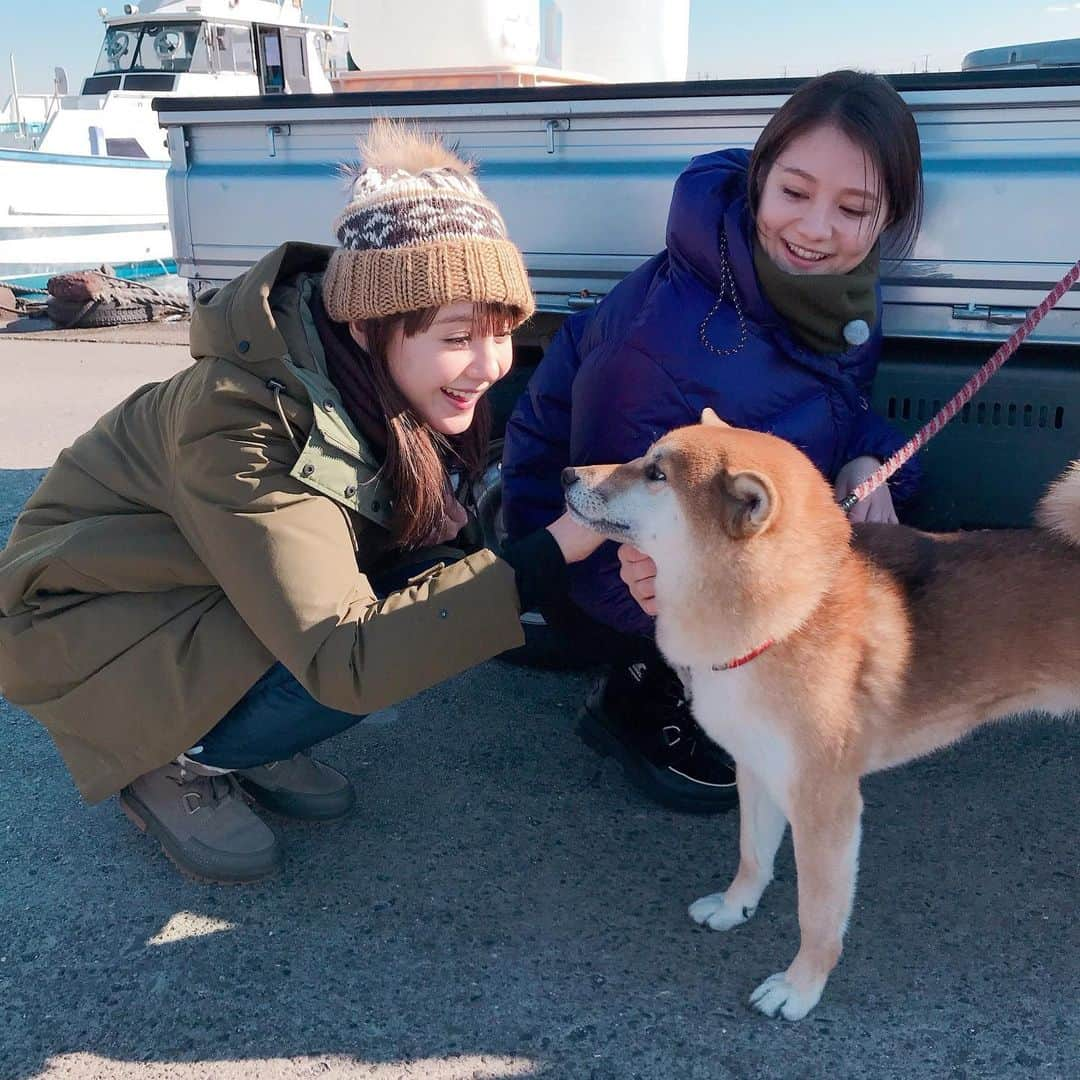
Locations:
583 176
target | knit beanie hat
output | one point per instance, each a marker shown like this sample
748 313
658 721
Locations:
418 233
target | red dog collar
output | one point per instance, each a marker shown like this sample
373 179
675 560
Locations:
745 659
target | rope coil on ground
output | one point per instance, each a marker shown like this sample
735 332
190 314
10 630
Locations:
93 298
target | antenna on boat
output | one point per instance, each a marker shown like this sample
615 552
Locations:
15 93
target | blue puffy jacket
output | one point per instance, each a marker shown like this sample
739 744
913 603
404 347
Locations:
667 341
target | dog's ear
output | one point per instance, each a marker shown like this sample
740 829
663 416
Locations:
749 504
710 419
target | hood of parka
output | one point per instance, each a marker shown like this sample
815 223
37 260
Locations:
262 321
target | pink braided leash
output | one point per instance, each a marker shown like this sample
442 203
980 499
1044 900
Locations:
966 393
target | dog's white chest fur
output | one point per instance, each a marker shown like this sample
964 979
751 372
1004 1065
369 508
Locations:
731 709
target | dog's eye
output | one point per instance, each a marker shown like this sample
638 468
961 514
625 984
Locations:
654 474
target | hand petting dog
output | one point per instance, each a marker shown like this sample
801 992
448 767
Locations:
638 572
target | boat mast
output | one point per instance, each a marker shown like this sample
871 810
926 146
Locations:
15 93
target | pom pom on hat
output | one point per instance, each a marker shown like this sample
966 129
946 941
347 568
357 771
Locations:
395 148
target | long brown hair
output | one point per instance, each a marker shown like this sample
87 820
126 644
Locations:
867 109
417 458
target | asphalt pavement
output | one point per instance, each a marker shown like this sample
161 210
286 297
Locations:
502 903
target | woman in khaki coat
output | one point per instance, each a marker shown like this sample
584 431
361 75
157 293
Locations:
245 559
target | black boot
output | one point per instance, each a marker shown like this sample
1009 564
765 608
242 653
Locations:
639 714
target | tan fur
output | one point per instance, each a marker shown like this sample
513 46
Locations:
889 643
391 146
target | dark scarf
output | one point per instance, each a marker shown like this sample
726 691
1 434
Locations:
352 379
817 307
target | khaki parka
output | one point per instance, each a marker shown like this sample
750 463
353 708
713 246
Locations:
188 540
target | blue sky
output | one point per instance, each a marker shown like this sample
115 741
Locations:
727 39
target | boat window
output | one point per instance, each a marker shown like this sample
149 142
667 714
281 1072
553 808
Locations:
129 148
118 49
273 72
101 84
232 49
172 46
164 46
296 76
295 61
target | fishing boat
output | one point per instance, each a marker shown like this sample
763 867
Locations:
82 176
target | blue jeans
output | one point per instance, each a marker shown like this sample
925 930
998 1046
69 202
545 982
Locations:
277 717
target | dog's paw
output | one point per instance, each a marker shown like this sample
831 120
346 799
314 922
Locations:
776 996
715 912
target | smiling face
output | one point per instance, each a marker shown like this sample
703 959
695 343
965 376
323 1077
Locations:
445 369
822 207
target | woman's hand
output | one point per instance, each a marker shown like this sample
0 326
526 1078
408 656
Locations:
878 505
576 541
638 571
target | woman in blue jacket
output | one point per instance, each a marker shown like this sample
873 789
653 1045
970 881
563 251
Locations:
764 305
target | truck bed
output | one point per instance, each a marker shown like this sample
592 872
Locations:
583 176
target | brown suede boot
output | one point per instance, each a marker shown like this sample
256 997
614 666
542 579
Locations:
299 787
202 822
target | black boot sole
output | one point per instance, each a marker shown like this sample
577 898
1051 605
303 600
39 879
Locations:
661 785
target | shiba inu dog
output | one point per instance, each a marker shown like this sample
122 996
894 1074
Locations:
816 652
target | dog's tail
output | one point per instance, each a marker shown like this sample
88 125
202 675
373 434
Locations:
1059 508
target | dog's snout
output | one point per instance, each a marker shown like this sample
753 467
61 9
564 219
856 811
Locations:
569 477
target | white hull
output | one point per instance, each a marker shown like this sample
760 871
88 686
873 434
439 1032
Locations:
62 212
90 187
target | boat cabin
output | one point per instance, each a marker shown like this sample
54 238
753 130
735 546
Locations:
216 48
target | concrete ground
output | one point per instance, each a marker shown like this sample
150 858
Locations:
502 904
